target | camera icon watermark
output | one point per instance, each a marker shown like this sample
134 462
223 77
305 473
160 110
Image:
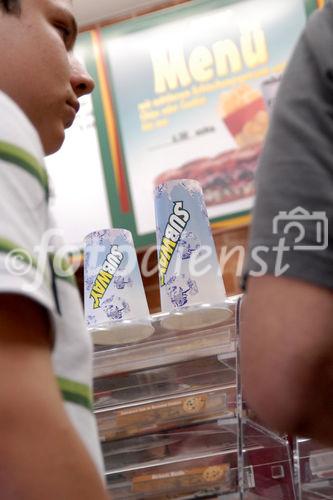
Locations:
298 224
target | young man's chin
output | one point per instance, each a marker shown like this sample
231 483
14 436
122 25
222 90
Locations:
52 143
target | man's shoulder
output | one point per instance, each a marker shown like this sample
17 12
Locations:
17 130
319 35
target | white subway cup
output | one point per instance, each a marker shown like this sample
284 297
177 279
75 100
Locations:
116 309
191 284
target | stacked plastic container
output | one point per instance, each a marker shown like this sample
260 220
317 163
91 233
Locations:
172 423
166 411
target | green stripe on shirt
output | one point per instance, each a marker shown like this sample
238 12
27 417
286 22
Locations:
74 392
21 158
62 267
7 246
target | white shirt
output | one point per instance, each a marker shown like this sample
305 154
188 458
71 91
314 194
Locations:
25 224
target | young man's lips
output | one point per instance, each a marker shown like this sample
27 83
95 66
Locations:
72 109
74 103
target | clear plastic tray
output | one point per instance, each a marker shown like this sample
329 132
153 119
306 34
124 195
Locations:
314 468
197 459
168 345
266 463
158 382
162 398
170 412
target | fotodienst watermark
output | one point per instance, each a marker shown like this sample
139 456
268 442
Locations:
298 230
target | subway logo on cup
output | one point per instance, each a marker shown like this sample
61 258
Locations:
106 275
173 231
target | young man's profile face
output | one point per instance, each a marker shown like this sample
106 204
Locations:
38 69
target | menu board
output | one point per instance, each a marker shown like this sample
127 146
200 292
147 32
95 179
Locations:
191 90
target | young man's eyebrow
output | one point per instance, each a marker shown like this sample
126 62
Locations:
74 26
72 21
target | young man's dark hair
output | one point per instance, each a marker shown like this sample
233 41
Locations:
10 5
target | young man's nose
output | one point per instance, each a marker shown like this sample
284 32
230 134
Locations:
81 81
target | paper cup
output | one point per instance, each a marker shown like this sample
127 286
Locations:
189 270
116 308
